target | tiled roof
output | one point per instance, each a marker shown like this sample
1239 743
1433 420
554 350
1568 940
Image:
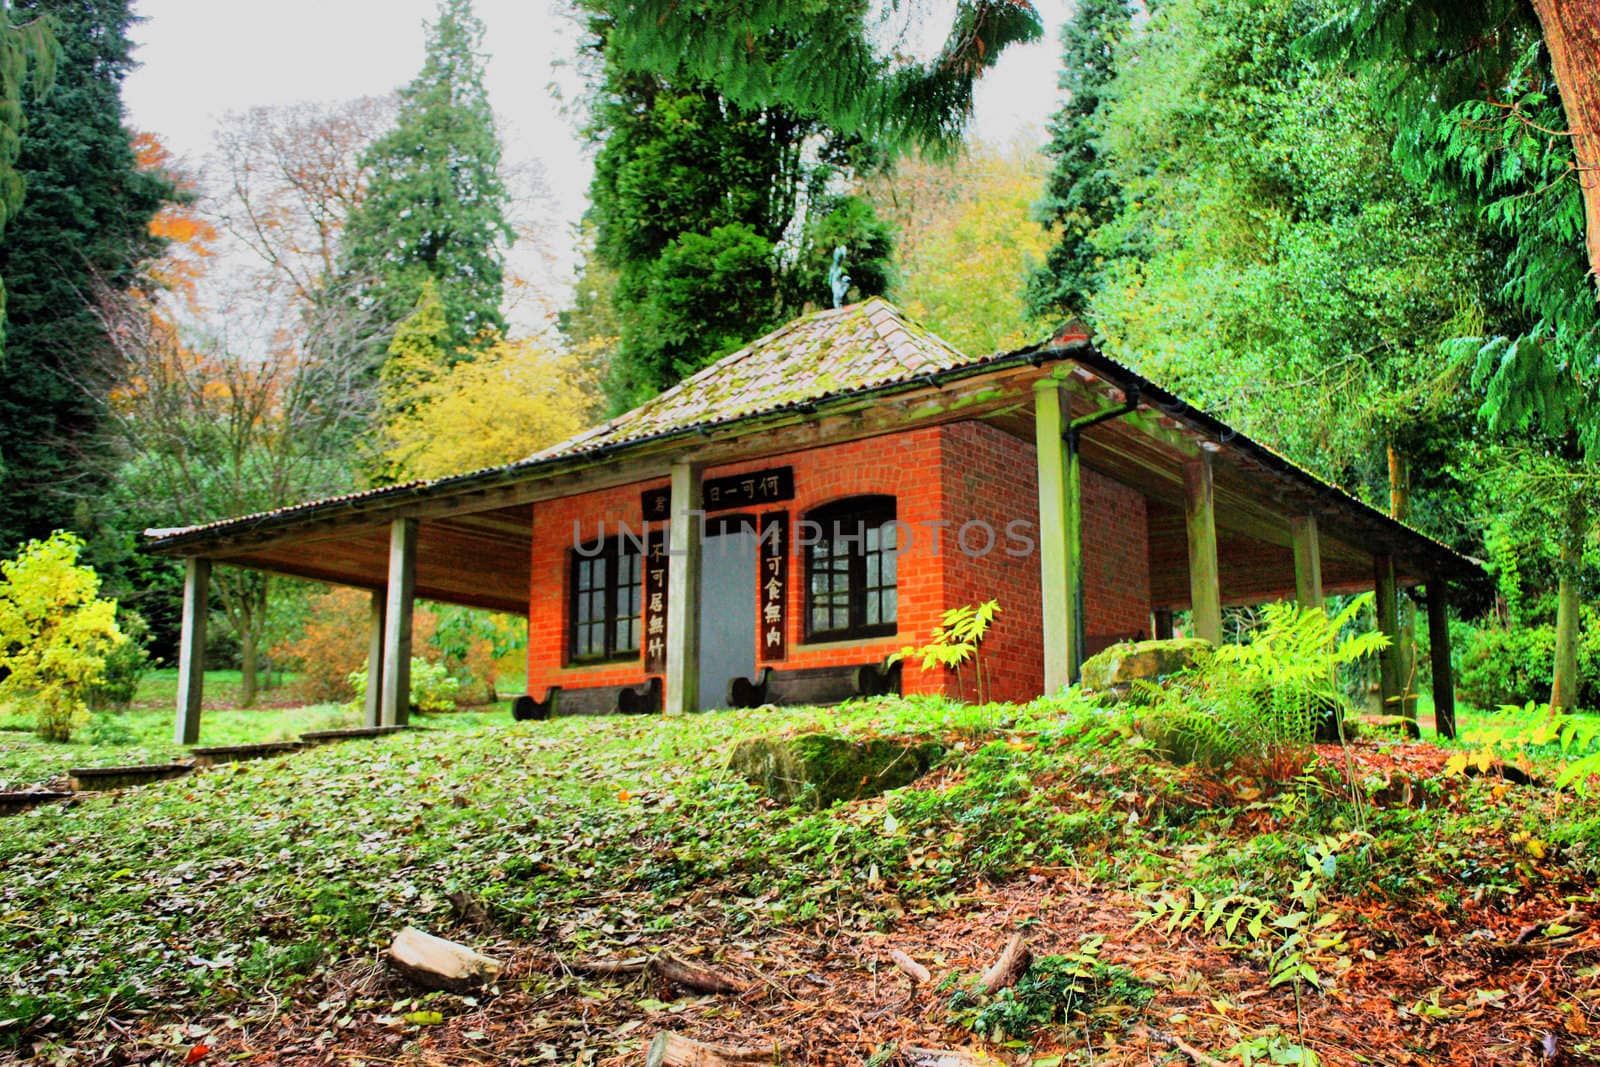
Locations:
840 350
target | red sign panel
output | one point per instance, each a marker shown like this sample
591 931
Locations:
772 589
654 611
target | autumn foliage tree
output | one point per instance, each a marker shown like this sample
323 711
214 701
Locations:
965 243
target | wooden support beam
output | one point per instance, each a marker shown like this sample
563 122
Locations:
1307 561
1386 607
1200 520
1051 408
1444 681
192 649
374 701
683 589
395 709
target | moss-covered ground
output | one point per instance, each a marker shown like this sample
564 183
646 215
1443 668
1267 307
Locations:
1370 908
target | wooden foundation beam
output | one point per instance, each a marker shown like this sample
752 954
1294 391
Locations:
395 709
1444 681
683 589
1051 411
1205 588
373 712
192 649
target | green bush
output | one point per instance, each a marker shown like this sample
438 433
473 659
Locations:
1500 665
126 664
432 687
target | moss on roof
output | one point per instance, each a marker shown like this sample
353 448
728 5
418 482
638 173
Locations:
840 350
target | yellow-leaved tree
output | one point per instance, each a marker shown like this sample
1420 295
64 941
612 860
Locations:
55 632
506 403
965 241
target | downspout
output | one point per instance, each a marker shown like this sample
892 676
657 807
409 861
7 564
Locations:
1073 436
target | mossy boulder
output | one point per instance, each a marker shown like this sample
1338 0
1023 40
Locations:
1119 666
818 769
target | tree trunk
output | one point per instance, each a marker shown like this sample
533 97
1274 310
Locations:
247 666
1564 690
1572 35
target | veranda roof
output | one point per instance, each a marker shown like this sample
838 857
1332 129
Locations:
858 370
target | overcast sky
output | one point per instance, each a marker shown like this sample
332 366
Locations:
201 59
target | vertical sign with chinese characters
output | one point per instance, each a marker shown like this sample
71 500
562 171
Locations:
772 590
655 602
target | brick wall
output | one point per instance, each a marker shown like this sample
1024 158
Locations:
990 482
964 475
1116 562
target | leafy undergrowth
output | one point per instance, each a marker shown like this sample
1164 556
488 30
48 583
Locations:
1370 908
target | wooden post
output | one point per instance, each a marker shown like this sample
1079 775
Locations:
1388 613
1161 624
683 590
192 649
396 707
1051 411
1444 682
1307 561
1205 588
1079 618
374 703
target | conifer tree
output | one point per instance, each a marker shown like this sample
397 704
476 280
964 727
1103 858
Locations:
723 180
26 50
1081 193
83 226
435 205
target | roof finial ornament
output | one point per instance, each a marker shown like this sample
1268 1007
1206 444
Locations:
838 278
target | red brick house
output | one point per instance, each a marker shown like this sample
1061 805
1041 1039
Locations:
816 501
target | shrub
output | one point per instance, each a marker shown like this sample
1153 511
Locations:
1514 665
126 664
432 687
1258 702
333 645
55 632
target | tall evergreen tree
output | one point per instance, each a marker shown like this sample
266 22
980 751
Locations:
435 204
1081 193
83 225
26 49
722 182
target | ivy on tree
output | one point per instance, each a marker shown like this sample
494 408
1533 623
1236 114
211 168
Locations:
435 206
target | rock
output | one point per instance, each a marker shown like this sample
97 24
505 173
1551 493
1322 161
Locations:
434 963
820 769
1115 669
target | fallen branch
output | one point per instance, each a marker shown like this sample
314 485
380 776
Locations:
675 1050
1013 963
1175 1042
914 970
698 979
947 1057
669 968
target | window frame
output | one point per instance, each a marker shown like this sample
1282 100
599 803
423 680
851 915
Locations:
850 516
614 551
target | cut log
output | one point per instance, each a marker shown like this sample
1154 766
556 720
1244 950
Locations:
675 971
1013 963
434 963
675 1050
914 970
947 1057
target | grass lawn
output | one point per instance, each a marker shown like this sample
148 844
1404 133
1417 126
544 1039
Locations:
1344 915
143 733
